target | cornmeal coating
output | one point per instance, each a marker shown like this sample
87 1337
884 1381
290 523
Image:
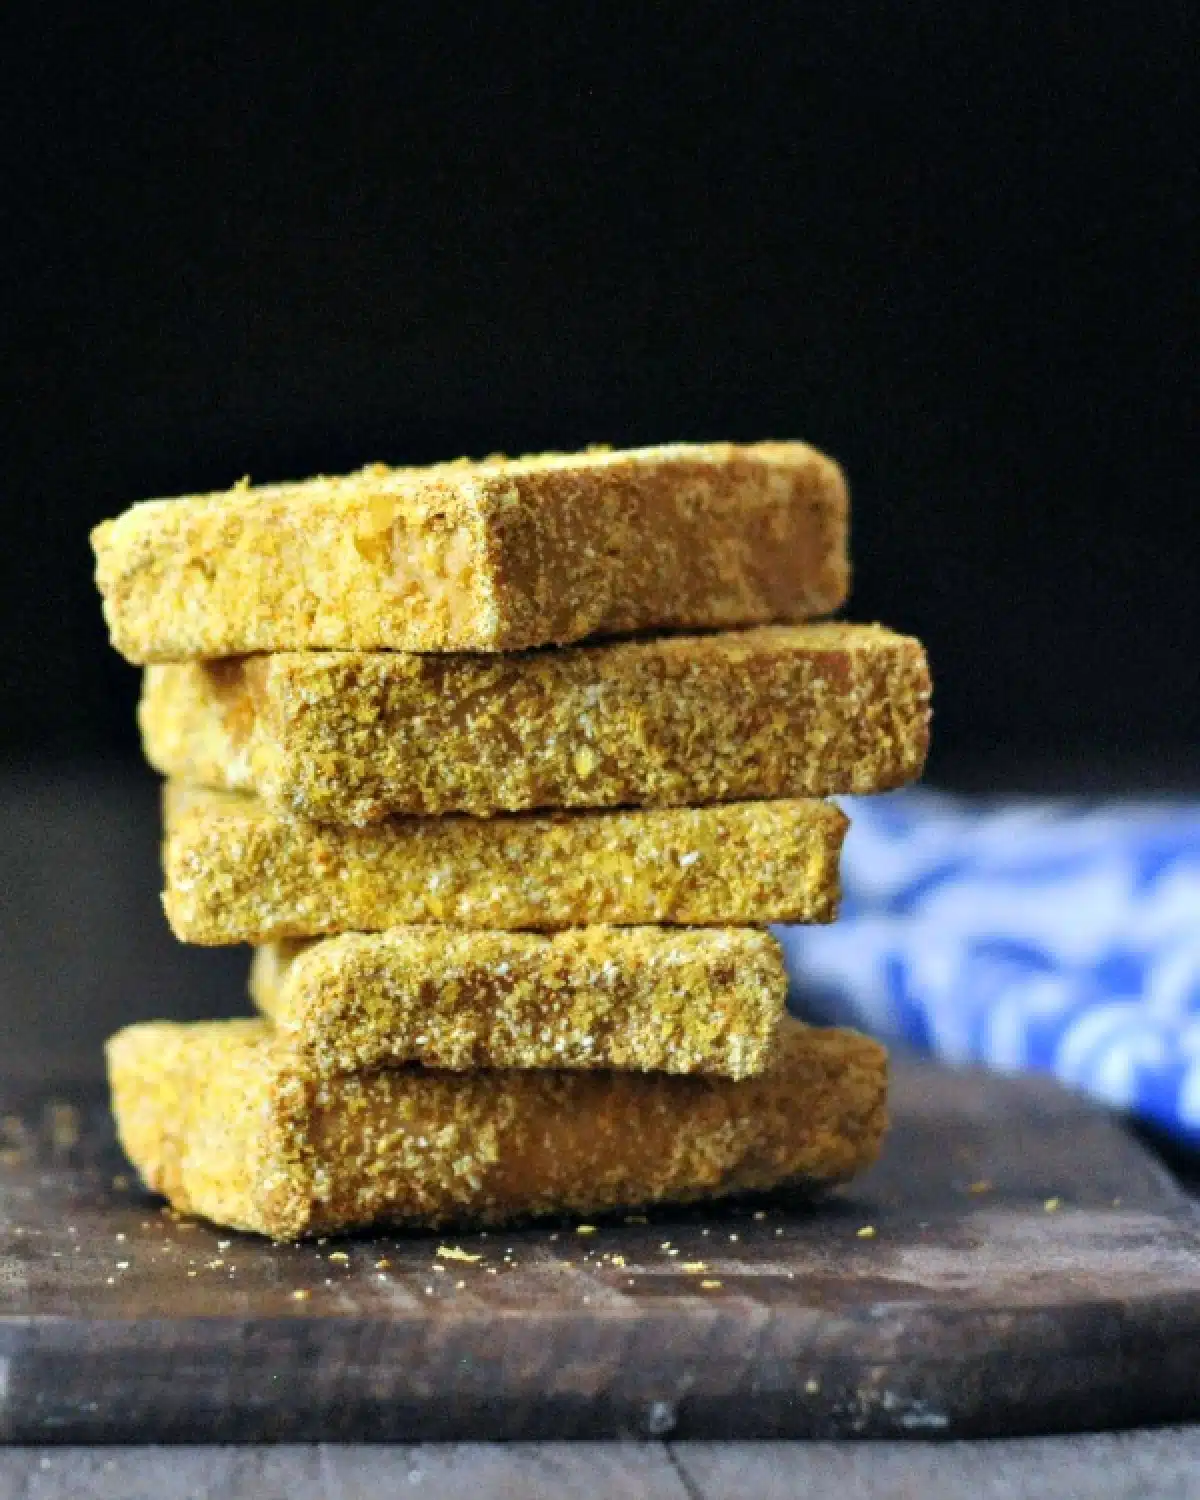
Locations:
225 1120
351 737
646 999
236 872
498 555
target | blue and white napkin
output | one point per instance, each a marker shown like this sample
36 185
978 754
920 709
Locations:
1024 935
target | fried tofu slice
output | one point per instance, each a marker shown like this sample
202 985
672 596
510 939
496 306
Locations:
353 737
223 1119
673 1000
237 872
498 555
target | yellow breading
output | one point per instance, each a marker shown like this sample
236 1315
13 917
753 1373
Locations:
492 556
644 999
223 1119
351 737
238 873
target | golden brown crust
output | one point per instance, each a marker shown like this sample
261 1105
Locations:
351 737
493 556
222 1119
645 999
238 873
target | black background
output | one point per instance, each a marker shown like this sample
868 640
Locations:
954 245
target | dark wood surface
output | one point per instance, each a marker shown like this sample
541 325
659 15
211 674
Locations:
1029 1269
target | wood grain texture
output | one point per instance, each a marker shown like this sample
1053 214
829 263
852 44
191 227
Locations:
1098 1466
966 1313
446 1471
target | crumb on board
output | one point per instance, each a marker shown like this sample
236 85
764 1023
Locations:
456 1252
1052 1205
711 1284
867 1232
585 1229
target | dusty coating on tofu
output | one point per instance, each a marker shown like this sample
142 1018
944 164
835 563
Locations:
673 1000
236 872
224 1120
352 737
497 555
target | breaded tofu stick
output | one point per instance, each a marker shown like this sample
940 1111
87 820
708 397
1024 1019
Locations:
492 556
351 737
646 999
221 1117
236 872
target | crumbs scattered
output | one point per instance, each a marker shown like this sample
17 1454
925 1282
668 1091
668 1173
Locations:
382 1263
455 1252
340 1257
692 1266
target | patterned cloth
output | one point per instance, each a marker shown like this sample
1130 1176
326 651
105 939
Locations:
1046 935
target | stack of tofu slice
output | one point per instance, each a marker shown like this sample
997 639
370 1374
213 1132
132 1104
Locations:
504 768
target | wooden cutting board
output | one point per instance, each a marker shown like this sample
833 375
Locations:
1017 1263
